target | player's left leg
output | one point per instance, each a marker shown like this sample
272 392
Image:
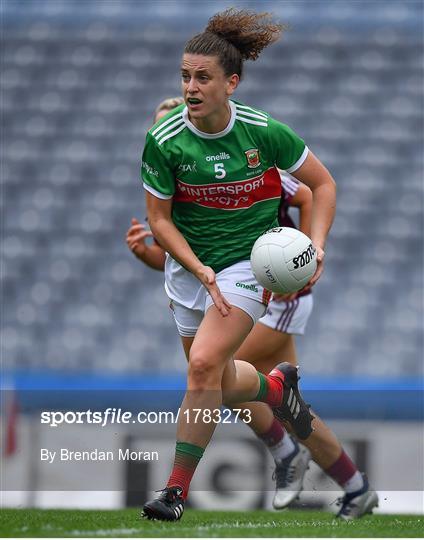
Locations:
264 348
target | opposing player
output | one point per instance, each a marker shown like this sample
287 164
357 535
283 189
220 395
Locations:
191 206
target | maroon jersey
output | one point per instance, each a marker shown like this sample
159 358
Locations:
290 186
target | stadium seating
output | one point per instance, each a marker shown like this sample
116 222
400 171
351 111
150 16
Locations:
78 92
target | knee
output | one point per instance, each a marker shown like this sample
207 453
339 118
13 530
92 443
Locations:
203 371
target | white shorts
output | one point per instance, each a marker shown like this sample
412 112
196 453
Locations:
190 299
289 317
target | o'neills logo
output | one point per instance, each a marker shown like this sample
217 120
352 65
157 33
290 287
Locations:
248 287
218 157
231 195
252 157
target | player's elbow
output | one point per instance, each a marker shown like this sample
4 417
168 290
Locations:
158 225
328 180
325 187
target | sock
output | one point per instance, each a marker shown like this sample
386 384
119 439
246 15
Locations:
187 457
277 440
270 389
354 484
345 473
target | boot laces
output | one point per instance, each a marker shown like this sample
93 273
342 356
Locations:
284 474
346 503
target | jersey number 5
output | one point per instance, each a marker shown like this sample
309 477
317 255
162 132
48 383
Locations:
220 172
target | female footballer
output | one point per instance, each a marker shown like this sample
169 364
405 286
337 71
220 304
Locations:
270 341
210 172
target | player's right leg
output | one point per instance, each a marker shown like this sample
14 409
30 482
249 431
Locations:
211 350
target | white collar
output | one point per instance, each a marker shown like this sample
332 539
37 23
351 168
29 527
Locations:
204 135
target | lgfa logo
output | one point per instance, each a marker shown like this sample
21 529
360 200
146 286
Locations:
252 157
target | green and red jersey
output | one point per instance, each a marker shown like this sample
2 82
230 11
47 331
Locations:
225 186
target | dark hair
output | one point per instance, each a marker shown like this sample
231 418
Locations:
234 36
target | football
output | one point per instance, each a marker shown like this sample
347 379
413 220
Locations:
283 260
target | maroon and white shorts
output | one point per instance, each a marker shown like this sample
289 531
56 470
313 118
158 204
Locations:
289 317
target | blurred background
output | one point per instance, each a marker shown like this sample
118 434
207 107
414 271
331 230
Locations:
79 84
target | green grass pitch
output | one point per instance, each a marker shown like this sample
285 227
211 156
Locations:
198 524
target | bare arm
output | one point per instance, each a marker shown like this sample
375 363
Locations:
152 255
313 173
160 219
168 236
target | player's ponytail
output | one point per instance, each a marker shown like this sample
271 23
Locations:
235 36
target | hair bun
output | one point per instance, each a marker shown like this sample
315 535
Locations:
247 31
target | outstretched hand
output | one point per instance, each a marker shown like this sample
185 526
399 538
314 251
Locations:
136 237
208 278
